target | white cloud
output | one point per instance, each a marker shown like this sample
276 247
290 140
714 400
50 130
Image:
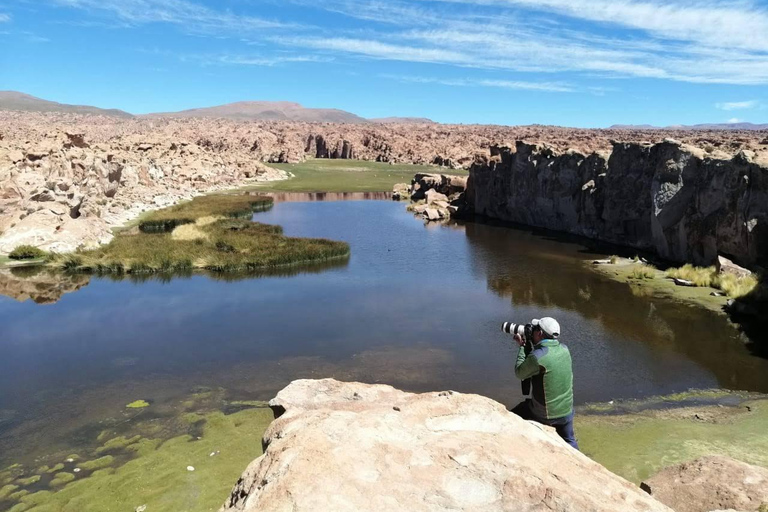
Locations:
268 61
191 16
4 18
470 82
723 42
733 120
737 105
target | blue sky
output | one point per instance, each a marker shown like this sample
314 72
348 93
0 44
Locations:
587 63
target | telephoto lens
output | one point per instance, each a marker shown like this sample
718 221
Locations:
511 328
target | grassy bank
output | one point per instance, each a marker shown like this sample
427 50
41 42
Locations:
657 433
346 176
210 232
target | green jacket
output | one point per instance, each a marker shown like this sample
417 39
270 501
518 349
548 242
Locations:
550 370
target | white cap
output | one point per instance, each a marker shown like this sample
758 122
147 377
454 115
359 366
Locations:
548 325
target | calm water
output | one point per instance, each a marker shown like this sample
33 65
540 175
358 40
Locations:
418 307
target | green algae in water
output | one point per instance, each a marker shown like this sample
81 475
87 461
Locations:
18 495
638 445
29 481
93 465
61 479
158 476
7 490
117 444
138 404
58 467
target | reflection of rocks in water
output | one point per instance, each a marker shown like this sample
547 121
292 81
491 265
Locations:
294 197
540 272
39 285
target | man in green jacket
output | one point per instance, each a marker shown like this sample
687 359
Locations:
550 370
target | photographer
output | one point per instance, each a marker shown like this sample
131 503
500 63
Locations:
548 365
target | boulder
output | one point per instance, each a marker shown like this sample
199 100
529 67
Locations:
432 214
726 266
433 195
711 483
339 447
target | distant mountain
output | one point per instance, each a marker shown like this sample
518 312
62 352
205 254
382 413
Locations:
402 120
12 100
268 111
709 126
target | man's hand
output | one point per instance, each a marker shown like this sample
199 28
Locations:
519 340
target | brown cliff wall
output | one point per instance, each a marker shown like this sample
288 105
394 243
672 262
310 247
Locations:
667 198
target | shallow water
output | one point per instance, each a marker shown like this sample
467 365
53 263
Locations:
415 306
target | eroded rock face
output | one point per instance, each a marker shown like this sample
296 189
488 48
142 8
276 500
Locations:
668 198
357 447
711 483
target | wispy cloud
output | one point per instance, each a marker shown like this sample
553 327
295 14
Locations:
4 18
733 120
470 82
737 105
188 15
267 61
719 42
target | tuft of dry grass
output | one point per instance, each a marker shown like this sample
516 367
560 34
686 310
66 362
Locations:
614 259
643 271
731 285
734 286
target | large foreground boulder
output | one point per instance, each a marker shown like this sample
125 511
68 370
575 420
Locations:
711 483
356 447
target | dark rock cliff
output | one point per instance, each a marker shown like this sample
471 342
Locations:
667 198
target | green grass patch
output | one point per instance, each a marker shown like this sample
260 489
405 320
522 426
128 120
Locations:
213 233
27 252
321 175
221 205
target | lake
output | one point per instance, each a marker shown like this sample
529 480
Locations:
416 306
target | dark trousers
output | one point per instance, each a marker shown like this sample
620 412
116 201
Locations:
563 426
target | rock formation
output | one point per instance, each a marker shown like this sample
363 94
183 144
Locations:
711 483
356 447
38 285
66 179
669 198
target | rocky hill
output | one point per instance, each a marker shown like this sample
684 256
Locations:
12 100
268 111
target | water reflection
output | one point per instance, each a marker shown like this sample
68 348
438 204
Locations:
532 270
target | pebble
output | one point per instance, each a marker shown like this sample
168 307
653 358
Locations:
190 468
142 508
214 453
70 460
76 470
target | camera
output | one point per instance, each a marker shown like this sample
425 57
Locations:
526 332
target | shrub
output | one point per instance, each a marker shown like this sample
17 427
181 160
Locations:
614 259
27 252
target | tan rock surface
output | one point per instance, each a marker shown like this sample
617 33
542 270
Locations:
711 483
358 447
